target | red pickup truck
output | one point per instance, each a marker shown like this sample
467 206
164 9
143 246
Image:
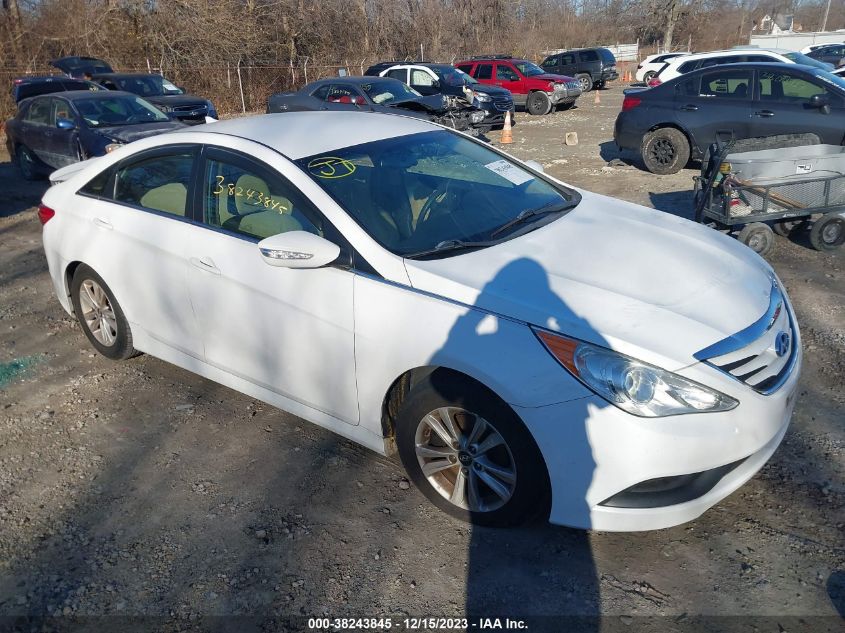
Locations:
531 86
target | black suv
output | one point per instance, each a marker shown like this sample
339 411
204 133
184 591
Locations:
25 87
432 79
160 92
592 67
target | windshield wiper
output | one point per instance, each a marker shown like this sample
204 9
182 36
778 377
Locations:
448 245
524 216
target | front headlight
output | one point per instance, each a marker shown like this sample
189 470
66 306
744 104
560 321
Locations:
633 386
483 98
477 117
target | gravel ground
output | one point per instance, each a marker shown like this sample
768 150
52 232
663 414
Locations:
139 489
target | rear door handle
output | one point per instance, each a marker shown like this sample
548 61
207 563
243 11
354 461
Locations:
764 113
205 263
103 224
689 107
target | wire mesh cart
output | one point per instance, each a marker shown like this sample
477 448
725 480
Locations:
762 185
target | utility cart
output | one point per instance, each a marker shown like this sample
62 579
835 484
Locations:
774 184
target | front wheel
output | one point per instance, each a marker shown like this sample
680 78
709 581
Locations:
538 103
758 237
585 81
470 454
665 151
26 163
828 232
100 316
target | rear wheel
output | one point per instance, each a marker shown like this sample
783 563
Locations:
469 453
649 76
100 316
538 103
828 232
585 81
758 237
26 163
665 151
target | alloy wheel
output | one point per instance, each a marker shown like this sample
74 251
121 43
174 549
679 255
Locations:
586 83
465 459
97 312
662 151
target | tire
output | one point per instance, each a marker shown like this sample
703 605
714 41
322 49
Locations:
538 103
585 81
522 479
99 315
828 232
758 237
665 151
785 228
600 85
26 163
649 76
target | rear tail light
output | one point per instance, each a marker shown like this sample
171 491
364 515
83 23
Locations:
655 81
630 102
45 213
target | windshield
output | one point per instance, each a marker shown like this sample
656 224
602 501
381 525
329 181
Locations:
118 111
528 69
454 77
836 80
800 58
413 193
147 85
384 92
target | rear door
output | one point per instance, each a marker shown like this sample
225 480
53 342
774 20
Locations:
398 73
716 103
783 107
36 130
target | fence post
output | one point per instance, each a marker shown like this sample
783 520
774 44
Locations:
305 68
362 65
241 87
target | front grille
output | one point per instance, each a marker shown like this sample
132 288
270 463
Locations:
503 105
763 354
200 109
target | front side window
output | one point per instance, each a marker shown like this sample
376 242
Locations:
244 198
385 92
528 69
728 84
415 193
551 62
504 73
785 87
421 78
159 183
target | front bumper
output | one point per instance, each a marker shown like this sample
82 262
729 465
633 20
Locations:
595 451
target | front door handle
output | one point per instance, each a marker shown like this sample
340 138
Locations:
689 107
103 224
764 113
205 263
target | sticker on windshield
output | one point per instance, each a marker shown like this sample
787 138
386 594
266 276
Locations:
509 171
331 167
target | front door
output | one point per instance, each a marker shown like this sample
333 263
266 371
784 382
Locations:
290 331
64 147
783 107
715 104
423 82
507 77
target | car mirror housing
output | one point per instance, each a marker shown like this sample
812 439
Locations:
533 164
65 124
821 102
298 249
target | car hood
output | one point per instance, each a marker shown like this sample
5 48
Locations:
490 90
551 77
177 100
129 133
430 103
645 283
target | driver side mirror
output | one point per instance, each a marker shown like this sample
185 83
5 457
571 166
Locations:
65 124
436 84
298 249
820 102
533 164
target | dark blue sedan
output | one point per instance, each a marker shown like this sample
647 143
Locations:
52 131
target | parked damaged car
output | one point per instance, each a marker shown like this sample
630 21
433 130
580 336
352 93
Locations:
162 93
56 130
379 94
79 67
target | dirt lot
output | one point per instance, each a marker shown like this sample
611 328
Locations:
139 489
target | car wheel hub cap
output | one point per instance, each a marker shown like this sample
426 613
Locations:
831 233
97 312
465 459
663 152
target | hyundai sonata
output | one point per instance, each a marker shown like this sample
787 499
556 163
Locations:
525 347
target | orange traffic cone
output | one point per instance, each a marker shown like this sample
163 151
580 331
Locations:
597 99
507 133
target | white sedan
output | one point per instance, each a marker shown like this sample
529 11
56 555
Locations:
524 346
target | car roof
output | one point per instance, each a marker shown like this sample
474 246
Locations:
73 95
355 80
300 134
729 51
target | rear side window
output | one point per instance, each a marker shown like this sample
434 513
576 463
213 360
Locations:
588 56
688 88
688 66
467 68
567 58
97 186
728 84
398 73
159 183
39 112
504 73
606 56
485 71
